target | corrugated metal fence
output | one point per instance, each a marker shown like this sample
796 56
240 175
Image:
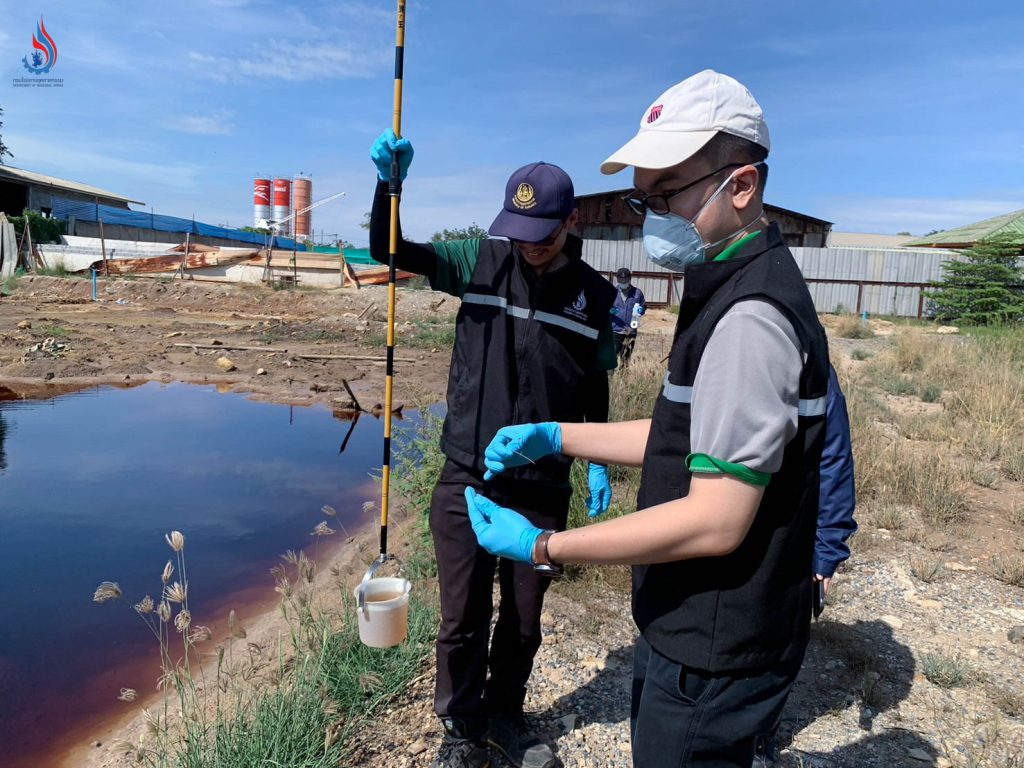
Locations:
65 209
880 281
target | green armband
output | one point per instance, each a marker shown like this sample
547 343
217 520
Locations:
701 463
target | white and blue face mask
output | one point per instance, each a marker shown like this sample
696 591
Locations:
673 241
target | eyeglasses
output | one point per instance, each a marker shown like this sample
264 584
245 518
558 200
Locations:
547 242
658 203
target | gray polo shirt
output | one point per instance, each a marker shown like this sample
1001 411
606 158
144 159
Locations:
746 394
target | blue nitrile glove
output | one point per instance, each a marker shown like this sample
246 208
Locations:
501 531
640 309
600 497
383 153
521 444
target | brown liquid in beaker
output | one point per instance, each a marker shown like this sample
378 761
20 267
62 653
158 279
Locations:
381 597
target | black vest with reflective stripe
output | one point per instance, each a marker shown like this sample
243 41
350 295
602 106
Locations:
750 609
523 350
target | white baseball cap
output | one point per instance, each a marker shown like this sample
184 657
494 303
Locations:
686 117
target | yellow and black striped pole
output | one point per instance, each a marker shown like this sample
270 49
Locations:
395 190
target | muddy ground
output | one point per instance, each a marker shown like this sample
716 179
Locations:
54 338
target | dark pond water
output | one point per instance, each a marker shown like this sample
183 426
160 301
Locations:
89 485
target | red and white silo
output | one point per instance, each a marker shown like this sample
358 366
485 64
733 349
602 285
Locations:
282 203
302 197
261 200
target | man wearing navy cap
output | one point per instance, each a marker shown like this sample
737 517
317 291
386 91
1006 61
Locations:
533 343
630 304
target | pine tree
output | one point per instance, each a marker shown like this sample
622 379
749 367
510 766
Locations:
985 289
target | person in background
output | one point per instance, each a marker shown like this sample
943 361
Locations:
630 304
533 341
836 504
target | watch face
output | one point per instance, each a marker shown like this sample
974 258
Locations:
547 569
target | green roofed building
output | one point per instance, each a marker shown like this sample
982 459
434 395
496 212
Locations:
1009 225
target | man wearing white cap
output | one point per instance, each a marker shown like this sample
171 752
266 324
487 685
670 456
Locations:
722 541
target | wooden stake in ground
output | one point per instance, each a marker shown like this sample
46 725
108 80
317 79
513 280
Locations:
30 259
103 250
184 259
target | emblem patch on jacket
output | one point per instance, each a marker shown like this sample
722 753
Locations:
576 309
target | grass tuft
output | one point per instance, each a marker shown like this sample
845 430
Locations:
946 671
1009 569
926 569
852 327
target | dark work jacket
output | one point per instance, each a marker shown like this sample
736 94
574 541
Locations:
525 347
623 314
838 494
751 609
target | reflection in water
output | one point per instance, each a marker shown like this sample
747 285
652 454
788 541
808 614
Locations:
3 441
90 485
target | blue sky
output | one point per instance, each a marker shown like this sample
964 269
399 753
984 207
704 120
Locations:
884 116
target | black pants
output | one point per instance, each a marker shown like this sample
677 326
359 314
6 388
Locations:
687 717
624 343
466 575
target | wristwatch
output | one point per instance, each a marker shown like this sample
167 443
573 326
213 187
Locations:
541 560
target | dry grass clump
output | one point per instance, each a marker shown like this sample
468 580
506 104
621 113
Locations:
1009 569
862 542
926 427
892 517
983 474
1007 701
926 569
852 327
924 479
1011 461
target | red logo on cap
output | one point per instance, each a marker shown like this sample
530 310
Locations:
655 113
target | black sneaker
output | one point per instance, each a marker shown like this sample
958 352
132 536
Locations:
459 749
511 736
765 751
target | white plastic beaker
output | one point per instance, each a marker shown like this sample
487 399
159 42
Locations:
384 617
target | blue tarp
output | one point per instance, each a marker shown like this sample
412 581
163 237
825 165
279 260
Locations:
63 209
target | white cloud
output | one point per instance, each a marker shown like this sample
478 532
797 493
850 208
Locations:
123 175
294 61
918 215
217 123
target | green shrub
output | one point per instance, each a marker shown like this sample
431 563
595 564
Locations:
43 230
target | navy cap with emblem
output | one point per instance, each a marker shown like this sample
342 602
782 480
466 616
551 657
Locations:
538 198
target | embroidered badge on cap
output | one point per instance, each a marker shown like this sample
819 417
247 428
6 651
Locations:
524 197
655 113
